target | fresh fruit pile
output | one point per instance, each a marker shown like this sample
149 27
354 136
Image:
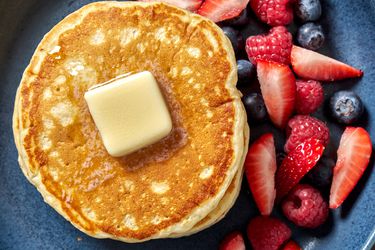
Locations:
291 82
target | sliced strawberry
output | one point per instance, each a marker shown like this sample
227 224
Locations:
191 5
220 10
278 87
312 65
260 168
233 241
353 157
297 163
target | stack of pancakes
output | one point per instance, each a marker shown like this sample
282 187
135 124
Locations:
175 187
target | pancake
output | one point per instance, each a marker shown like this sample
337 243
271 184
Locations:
166 188
225 203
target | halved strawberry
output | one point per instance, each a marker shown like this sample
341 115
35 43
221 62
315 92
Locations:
220 10
191 5
312 65
233 241
260 168
353 157
278 87
297 163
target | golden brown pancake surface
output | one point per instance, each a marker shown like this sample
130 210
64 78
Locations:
138 196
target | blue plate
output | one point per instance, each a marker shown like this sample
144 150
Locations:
26 222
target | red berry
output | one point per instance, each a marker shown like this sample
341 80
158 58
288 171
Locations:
353 157
220 10
260 168
305 207
266 233
291 245
302 127
278 87
296 165
309 96
273 12
233 241
191 5
275 46
312 65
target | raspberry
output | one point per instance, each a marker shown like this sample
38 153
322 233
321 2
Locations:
266 233
309 96
305 207
275 12
302 127
275 46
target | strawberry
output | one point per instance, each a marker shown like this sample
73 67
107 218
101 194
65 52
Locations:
191 5
233 241
297 163
302 127
275 12
353 156
260 168
275 46
291 245
278 87
312 65
220 10
266 233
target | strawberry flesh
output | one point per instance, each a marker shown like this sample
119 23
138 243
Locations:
260 168
353 156
220 10
296 165
233 241
309 64
278 87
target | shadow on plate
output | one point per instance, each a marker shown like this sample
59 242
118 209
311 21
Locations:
348 204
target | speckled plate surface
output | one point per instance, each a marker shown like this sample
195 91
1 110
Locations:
26 222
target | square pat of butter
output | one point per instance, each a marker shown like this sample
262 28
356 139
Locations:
129 112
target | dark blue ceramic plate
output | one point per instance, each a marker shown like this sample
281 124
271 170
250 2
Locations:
26 222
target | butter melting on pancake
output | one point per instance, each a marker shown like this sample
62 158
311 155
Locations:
60 148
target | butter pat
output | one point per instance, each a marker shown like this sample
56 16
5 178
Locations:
129 112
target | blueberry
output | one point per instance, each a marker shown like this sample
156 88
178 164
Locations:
246 71
321 175
235 38
310 36
240 20
346 107
255 108
308 10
